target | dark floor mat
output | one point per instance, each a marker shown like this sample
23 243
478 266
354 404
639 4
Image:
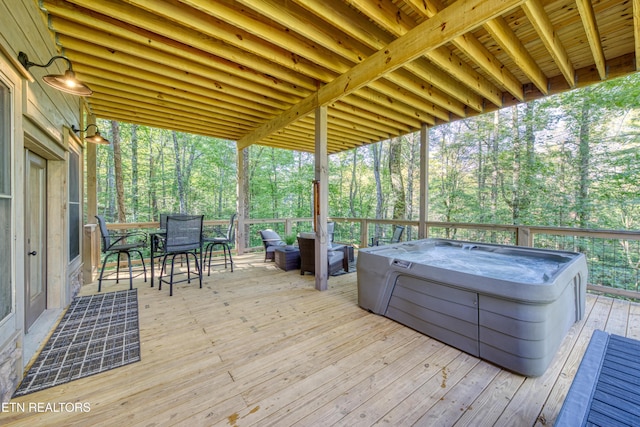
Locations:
97 333
352 269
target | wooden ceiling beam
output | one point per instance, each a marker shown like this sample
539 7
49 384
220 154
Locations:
401 126
148 110
285 141
167 94
395 108
399 24
340 128
262 67
342 115
206 24
636 31
115 111
451 22
113 95
137 56
187 44
341 45
303 134
184 73
150 88
475 50
373 36
543 26
336 63
219 36
587 15
205 30
127 65
500 31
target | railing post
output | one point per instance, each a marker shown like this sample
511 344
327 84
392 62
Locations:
287 227
364 233
524 237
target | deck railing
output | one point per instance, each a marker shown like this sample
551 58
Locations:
613 256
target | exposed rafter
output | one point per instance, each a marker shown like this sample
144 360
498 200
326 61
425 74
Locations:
544 27
252 71
446 25
593 35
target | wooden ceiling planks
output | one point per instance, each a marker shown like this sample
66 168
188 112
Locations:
253 71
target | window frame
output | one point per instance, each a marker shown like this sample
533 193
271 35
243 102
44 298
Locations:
8 137
75 151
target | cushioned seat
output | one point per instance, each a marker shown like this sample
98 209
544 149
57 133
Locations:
335 258
271 240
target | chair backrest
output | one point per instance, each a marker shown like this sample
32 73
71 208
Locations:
184 233
397 233
106 238
331 227
163 219
307 246
230 229
270 238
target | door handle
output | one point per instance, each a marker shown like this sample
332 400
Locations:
32 253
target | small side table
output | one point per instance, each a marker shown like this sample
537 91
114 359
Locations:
287 259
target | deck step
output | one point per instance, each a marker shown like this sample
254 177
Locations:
606 388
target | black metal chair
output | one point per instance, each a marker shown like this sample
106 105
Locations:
159 238
395 238
271 240
225 241
120 243
184 237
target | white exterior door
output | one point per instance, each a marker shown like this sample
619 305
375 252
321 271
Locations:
35 237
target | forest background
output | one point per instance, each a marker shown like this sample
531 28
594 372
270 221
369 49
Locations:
568 160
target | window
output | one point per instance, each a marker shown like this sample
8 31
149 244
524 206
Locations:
75 212
6 296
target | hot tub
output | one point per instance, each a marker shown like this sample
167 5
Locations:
509 305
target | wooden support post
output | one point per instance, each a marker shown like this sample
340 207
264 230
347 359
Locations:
241 193
322 179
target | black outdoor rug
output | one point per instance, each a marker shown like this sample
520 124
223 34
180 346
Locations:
96 334
352 269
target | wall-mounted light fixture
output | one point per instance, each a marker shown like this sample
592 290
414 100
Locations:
66 82
96 138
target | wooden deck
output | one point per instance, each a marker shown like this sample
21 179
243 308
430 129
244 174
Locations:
261 346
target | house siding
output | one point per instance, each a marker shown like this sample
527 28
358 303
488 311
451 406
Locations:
41 122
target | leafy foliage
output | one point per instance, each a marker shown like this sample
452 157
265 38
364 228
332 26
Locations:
565 160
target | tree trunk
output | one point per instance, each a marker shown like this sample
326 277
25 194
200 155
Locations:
153 194
376 150
185 155
117 163
353 188
584 159
134 173
246 193
397 181
494 155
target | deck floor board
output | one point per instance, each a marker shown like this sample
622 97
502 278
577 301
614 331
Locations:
262 347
